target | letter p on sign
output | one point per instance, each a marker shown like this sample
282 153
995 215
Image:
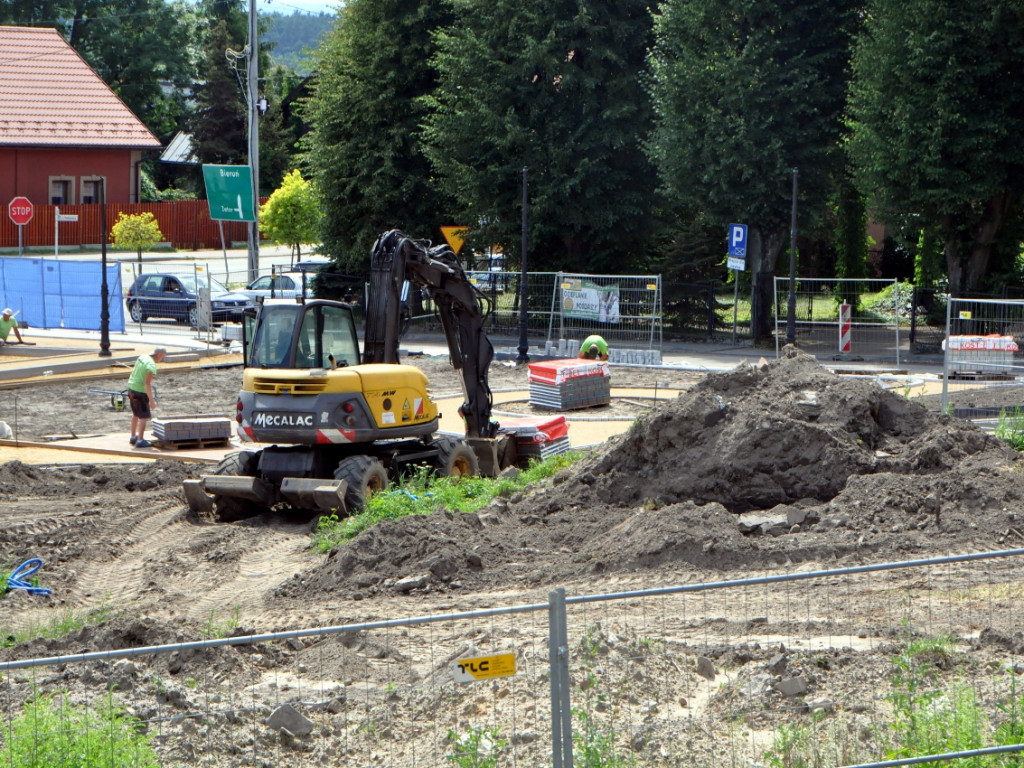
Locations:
738 240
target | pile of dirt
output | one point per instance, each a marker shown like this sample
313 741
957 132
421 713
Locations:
761 466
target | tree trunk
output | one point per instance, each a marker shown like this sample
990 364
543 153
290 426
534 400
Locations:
967 272
762 252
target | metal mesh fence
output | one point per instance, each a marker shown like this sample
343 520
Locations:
844 319
797 668
981 353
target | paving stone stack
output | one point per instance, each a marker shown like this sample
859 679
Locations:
538 436
565 385
192 429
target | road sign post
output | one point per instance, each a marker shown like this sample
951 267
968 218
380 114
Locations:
229 192
58 217
737 261
20 210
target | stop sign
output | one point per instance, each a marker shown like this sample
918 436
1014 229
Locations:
20 210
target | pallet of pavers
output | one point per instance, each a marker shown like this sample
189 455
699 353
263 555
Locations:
568 384
199 431
538 436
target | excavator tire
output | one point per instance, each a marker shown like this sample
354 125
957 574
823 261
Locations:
365 476
228 509
455 458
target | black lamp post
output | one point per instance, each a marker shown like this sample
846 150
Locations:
104 290
524 345
791 303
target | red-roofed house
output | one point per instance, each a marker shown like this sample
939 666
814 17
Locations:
61 127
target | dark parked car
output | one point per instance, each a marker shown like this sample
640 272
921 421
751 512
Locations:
175 296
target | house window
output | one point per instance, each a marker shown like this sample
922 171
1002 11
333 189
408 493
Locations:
91 189
60 190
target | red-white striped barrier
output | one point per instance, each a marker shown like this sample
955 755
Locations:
844 327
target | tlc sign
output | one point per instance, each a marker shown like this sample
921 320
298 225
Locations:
20 210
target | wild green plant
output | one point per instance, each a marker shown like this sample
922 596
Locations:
479 748
215 629
791 746
60 626
52 732
1011 428
422 492
593 744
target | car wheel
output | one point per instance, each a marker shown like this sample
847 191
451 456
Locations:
135 310
193 316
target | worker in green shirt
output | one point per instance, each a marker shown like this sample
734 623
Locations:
8 324
593 348
140 395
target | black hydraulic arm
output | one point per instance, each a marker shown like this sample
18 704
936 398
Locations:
462 308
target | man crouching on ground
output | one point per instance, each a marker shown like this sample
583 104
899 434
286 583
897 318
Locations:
140 395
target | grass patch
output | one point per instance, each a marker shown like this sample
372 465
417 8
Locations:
1011 428
423 493
60 626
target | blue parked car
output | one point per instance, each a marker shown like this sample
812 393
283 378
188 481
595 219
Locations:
174 296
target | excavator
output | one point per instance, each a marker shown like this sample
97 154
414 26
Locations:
330 425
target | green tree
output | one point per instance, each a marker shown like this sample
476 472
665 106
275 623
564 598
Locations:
556 87
292 214
938 115
365 151
746 91
218 125
137 231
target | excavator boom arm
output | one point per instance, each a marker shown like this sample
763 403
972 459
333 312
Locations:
462 308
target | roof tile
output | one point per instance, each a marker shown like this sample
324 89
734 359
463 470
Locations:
50 97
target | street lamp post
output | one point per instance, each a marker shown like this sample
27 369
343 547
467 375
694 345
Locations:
104 289
791 302
524 346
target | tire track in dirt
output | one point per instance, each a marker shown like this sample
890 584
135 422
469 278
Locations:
202 569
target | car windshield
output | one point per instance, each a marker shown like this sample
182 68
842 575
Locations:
189 281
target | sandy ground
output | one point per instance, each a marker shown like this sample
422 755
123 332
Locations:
835 470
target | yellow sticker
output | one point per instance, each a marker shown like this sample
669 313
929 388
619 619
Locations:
405 405
483 667
965 314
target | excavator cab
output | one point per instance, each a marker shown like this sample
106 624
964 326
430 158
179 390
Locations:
308 335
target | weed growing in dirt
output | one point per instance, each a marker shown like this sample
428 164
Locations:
593 744
1011 428
215 629
58 627
477 749
423 492
50 731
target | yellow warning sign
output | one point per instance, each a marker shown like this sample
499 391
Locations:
455 236
483 667
405 405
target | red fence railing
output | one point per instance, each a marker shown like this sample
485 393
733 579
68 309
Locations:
186 224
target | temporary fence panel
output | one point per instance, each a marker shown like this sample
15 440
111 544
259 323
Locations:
800 667
982 351
60 293
623 309
843 318
169 296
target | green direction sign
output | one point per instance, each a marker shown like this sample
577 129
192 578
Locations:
229 192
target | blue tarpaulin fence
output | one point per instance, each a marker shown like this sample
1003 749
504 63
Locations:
57 293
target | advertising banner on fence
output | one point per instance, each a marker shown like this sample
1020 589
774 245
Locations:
590 301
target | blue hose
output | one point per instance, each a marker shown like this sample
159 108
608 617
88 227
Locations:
19 578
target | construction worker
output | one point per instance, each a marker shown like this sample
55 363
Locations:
8 324
140 395
593 347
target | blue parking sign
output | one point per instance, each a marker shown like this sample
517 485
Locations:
737 247
738 240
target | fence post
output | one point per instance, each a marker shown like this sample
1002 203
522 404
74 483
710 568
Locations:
558 656
711 311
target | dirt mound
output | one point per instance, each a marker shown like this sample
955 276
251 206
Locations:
783 462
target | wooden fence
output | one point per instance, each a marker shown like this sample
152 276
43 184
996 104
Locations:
186 224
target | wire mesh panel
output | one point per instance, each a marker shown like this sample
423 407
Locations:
624 309
382 694
820 670
982 357
844 319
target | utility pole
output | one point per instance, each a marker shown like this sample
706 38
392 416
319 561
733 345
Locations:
252 100
104 288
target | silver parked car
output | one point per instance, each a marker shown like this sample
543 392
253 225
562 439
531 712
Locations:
284 286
